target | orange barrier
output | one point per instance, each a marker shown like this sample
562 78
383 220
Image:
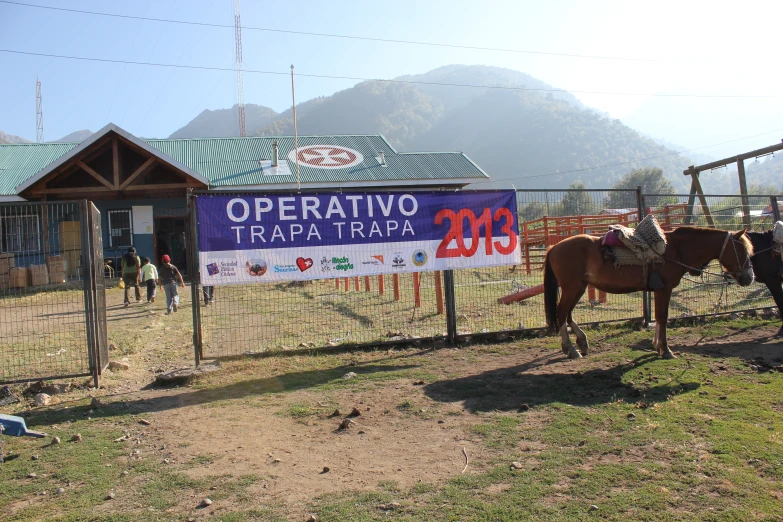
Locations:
522 294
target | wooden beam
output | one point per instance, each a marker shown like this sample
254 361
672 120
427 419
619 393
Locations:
75 190
159 186
744 194
136 173
94 174
115 154
700 193
733 159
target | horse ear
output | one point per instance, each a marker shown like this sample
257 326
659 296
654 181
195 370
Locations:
741 233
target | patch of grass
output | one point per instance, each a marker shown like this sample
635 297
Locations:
391 486
406 406
499 432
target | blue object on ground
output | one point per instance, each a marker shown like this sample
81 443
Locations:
15 427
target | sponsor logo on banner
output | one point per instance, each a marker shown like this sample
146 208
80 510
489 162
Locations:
419 257
326 264
212 269
327 156
285 268
255 267
398 261
303 263
228 268
374 260
342 263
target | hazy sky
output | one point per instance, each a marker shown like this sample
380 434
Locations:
691 47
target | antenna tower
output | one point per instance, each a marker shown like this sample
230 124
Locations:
39 133
240 83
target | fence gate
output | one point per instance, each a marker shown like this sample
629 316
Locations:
52 305
100 345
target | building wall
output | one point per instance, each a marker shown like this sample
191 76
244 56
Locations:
144 243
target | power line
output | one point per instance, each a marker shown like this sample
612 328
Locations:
627 162
341 36
359 78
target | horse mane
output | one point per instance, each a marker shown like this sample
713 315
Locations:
705 231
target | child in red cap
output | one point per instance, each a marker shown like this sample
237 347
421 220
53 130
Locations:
169 275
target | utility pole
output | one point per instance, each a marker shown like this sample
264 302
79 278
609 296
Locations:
240 85
39 130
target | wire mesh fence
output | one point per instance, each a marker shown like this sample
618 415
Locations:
42 297
364 310
710 293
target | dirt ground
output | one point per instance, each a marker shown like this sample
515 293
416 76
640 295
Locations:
277 426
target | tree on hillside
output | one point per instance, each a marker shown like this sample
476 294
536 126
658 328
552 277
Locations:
578 202
763 190
652 181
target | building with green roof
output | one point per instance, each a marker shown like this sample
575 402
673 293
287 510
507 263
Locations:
140 185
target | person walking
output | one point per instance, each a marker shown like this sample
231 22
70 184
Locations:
209 294
169 275
131 270
149 277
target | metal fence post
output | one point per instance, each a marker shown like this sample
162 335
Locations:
640 206
451 306
194 278
773 200
87 286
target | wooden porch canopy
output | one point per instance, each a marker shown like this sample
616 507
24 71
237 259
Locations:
112 164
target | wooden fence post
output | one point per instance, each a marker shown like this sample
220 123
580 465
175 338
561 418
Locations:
396 284
356 283
439 292
366 283
347 285
380 285
416 290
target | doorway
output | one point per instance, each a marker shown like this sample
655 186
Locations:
170 239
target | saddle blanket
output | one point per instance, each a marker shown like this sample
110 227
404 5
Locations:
636 246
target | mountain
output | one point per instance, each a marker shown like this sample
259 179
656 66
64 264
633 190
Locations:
534 141
511 133
10 138
521 131
443 83
77 136
223 123
401 112
767 173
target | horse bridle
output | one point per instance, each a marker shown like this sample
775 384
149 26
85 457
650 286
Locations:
747 264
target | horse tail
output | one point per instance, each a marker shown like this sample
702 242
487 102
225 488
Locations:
550 293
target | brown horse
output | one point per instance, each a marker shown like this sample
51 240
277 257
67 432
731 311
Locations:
578 261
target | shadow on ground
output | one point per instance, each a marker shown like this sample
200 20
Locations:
533 384
254 387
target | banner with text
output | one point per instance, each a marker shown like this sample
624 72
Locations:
256 238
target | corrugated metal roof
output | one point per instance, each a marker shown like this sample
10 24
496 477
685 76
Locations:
236 162
19 162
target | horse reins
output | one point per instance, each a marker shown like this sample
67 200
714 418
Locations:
723 273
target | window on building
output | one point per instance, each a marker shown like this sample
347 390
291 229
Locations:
19 234
120 228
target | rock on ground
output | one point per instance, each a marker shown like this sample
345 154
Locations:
42 399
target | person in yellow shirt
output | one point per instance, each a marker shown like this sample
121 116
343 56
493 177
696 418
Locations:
131 271
149 277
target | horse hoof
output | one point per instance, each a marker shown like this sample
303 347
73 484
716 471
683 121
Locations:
566 350
668 355
780 333
573 354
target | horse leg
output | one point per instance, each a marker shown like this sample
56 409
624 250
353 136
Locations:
662 298
777 294
568 299
581 338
